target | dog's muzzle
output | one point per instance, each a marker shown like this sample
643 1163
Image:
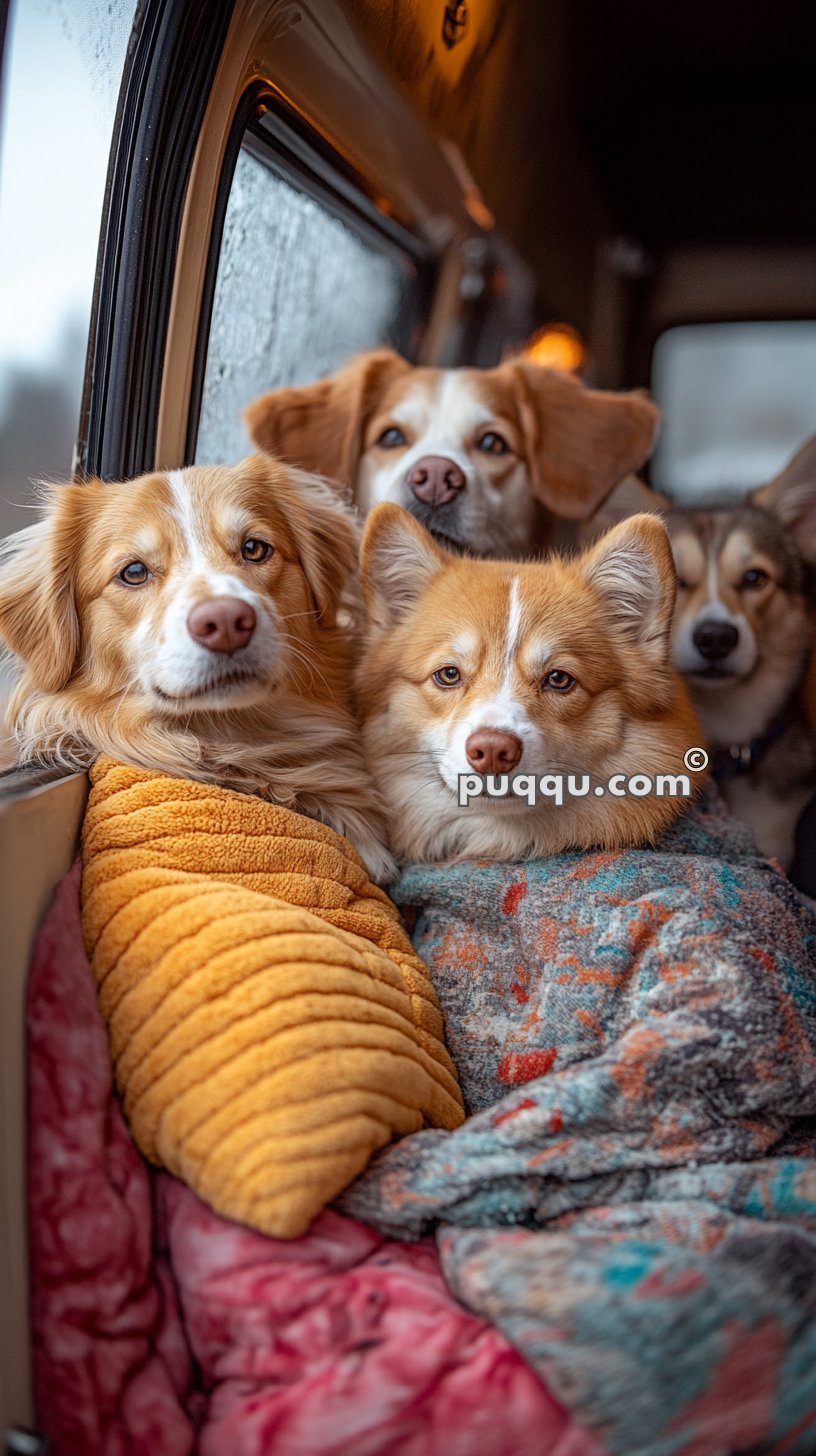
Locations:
435 480
434 491
715 640
222 624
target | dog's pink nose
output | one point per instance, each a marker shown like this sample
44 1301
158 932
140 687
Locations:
489 751
435 480
224 624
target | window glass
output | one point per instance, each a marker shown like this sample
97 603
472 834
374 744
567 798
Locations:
738 399
54 148
297 292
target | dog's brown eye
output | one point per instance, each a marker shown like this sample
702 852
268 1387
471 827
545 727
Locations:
493 444
755 578
391 439
447 677
134 574
682 584
254 550
559 681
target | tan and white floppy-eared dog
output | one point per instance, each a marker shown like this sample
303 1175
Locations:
487 459
561 666
187 622
742 637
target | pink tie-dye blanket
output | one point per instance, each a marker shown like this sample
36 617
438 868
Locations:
162 1330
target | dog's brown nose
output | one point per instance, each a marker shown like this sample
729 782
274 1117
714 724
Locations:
435 480
489 751
223 623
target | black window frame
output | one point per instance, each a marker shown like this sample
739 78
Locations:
173 57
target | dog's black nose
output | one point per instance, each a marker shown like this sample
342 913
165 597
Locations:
714 640
436 480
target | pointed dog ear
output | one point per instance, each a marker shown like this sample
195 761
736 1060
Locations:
398 560
38 616
632 570
320 427
791 496
580 442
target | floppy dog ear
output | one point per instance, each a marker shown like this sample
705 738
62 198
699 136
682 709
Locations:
791 496
38 617
327 539
320 427
632 570
580 442
398 560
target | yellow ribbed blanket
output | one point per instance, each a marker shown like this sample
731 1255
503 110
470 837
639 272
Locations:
270 1024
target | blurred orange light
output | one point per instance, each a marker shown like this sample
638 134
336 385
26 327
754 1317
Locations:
556 346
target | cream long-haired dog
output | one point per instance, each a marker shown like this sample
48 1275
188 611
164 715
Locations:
187 621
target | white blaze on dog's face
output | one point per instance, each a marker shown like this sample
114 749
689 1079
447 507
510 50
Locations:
725 579
742 625
741 619
471 453
198 579
185 592
190 623
202 623
445 446
500 668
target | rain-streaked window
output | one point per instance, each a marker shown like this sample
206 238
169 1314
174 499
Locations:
61 77
297 292
738 399
62 70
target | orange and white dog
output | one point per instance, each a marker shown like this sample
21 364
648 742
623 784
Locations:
487 459
561 667
188 622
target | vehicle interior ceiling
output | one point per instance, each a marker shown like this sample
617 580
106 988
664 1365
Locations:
644 160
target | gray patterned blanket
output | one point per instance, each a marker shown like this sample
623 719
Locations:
633 1198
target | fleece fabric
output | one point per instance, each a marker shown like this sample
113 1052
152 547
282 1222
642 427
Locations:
270 1024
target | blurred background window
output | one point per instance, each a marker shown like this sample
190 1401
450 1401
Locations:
297 292
738 399
61 74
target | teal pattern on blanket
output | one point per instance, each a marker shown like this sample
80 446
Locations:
633 1198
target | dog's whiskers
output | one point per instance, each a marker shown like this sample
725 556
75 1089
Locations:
300 655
